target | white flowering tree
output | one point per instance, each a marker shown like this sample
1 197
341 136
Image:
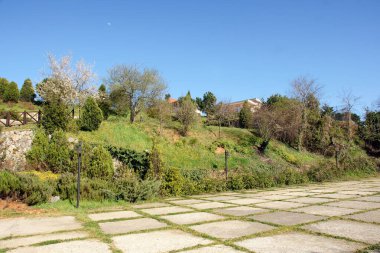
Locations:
71 86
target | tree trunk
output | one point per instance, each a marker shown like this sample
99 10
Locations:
263 146
349 125
303 129
219 128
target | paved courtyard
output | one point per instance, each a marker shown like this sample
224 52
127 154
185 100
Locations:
331 217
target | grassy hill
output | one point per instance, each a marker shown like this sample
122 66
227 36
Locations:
201 149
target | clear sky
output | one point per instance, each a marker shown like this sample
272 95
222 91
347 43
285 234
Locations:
235 48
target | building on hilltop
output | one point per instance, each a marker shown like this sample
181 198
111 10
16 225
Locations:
254 104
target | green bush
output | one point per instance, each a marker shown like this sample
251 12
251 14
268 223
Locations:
134 189
11 93
58 155
323 171
236 182
171 182
37 155
55 115
91 117
291 176
27 188
101 164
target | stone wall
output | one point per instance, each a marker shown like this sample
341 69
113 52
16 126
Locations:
13 147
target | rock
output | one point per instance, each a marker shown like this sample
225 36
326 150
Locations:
13 147
54 199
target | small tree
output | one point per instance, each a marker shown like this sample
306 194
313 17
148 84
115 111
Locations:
27 91
264 122
55 115
162 111
3 86
37 155
91 116
245 116
223 114
104 101
349 101
11 93
302 89
186 114
138 89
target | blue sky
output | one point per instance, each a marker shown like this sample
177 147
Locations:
236 49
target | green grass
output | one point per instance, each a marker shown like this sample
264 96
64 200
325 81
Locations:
18 107
197 150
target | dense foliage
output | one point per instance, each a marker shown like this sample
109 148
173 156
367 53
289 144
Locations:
27 91
11 93
91 117
55 115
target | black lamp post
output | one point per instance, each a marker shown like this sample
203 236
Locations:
79 151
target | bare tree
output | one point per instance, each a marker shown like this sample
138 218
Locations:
303 88
186 114
349 101
265 123
162 110
139 88
223 114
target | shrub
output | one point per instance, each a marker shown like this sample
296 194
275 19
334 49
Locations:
27 91
291 176
24 187
11 93
137 161
101 164
58 154
91 117
155 162
37 155
55 115
235 182
323 171
134 189
172 182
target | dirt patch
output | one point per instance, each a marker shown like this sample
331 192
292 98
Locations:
219 150
18 207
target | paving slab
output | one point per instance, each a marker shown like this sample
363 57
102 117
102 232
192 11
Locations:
211 205
326 210
150 205
358 231
240 210
126 226
280 205
370 198
222 198
287 218
166 210
25 241
113 215
334 196
299 194
29 226
213 249
82 246
355 204
232 228
357 192
310 200
190 218
158 241
246 201
189 201
277 197
300 243
371 216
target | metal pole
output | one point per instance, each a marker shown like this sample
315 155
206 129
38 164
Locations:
78 178
226 155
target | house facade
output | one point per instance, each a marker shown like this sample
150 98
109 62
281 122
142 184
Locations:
253 103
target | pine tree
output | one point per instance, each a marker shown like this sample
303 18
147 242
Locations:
245 116
11 93
27 91
92 115
3 86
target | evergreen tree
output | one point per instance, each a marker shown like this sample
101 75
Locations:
11 93
55 115
27 91
3 86
245 116
92 115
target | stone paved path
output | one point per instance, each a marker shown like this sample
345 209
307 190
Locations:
331 217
